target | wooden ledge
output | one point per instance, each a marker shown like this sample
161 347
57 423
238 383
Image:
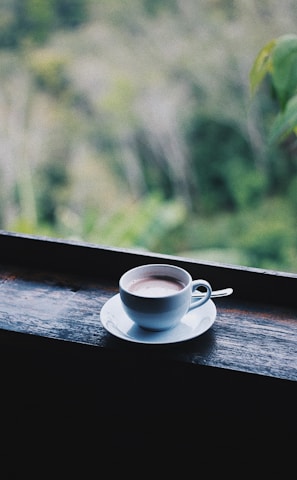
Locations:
55 289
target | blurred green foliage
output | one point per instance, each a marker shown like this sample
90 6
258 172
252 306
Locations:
277 61
131 124
33 20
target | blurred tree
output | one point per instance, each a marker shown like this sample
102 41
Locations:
51 190
49 71
34 20
71 13
224 172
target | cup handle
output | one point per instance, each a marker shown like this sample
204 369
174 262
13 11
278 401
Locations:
200 301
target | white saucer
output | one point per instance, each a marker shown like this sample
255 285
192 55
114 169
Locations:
193 324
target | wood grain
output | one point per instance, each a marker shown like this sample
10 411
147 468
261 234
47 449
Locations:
247 337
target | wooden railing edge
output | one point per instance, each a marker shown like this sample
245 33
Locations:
101 260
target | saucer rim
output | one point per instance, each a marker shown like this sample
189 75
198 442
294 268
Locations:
123 336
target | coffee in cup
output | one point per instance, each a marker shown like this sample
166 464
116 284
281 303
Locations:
155 286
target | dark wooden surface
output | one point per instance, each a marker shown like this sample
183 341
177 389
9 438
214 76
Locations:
61 371
248 337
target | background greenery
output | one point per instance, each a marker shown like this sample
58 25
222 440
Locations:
131 124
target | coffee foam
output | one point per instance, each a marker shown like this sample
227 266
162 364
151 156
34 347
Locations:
155 286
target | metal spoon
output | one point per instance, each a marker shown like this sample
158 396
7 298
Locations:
216 293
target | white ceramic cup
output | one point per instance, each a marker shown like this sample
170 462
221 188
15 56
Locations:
157 296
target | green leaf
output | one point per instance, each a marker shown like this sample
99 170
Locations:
261 66
284 68
285 122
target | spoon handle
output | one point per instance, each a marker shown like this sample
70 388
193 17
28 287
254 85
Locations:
215 294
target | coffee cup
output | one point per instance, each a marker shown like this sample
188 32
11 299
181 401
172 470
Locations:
157 296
